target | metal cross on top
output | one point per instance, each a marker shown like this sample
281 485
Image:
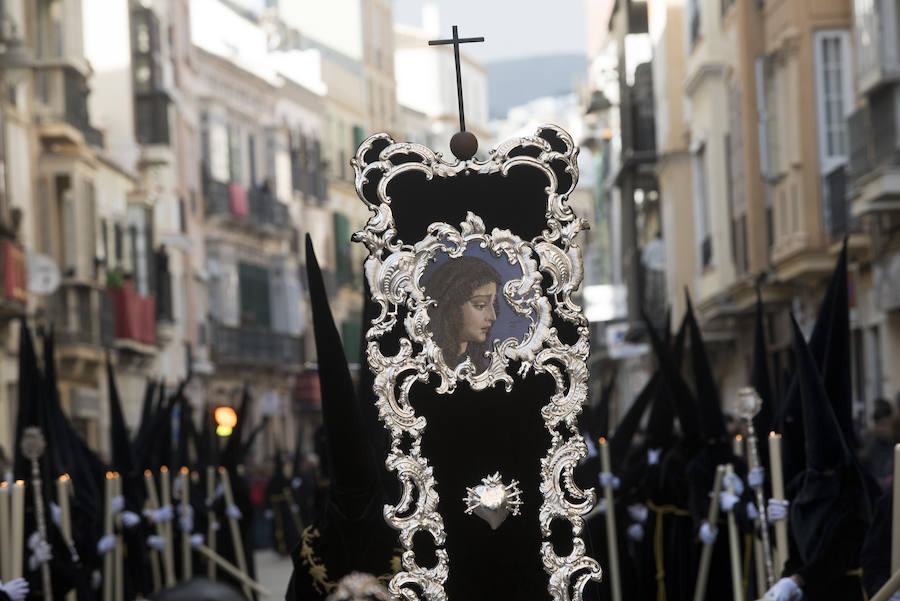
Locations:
456 41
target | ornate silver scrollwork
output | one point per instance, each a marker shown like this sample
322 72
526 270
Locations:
396 275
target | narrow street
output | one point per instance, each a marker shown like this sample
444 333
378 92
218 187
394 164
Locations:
274 573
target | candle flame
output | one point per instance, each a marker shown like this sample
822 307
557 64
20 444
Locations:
739 438
109 475
163 469
147 472
64 478
602 440
221 469
3 484
184 471
772 434
20 483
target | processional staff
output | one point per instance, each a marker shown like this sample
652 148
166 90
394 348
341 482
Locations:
747 405
33 446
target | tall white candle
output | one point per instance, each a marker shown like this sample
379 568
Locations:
612 541
895 532
737 576
236 539
211 518
108 564
781 533
187 567
165 491
153 503
5 533
119 550
17 528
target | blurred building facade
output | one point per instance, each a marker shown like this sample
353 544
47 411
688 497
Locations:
169 171
761 157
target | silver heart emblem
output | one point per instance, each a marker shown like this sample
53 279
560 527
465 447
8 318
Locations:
493 501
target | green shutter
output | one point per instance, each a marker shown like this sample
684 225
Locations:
350 333
359 135
254 289
343 261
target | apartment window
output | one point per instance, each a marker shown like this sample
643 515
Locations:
50 28
694 16
772 84
701 208
251 149
343 259
359 135
253 281
234 154
833 95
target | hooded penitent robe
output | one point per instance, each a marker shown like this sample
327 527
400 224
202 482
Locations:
831 509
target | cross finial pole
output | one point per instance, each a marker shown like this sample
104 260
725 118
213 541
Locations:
456 41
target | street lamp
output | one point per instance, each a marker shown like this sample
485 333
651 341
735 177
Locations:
226 420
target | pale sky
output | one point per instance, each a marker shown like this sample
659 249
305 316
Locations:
511 28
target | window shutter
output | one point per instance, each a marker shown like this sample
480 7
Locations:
342 249
253 281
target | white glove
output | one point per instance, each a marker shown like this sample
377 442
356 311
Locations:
232 511
268 514
297 482
33 540
784 590
601 506
96 579
220 490
156 542
117 504
607 479
653 456
638 512
777 510
163 514
186 524
295 509
636 532
591 449
130 519
196 540
752 511
106 543
727 501
216 526
708 535
895 597
42 554
55 514
756 477
16 589
735 481
186 521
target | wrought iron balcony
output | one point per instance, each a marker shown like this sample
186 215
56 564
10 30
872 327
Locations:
874 176
82 314
838 220
135 315
13 278
255 207
254 346
61 92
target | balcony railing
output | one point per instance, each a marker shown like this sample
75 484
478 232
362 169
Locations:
12 270
82 314
868 149
135 315
254 346
257 206
837 210
62 97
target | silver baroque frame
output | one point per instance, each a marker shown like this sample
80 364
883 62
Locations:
393 270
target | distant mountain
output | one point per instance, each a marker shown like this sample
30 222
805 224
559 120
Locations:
514 82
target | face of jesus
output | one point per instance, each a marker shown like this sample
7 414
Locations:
479 314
